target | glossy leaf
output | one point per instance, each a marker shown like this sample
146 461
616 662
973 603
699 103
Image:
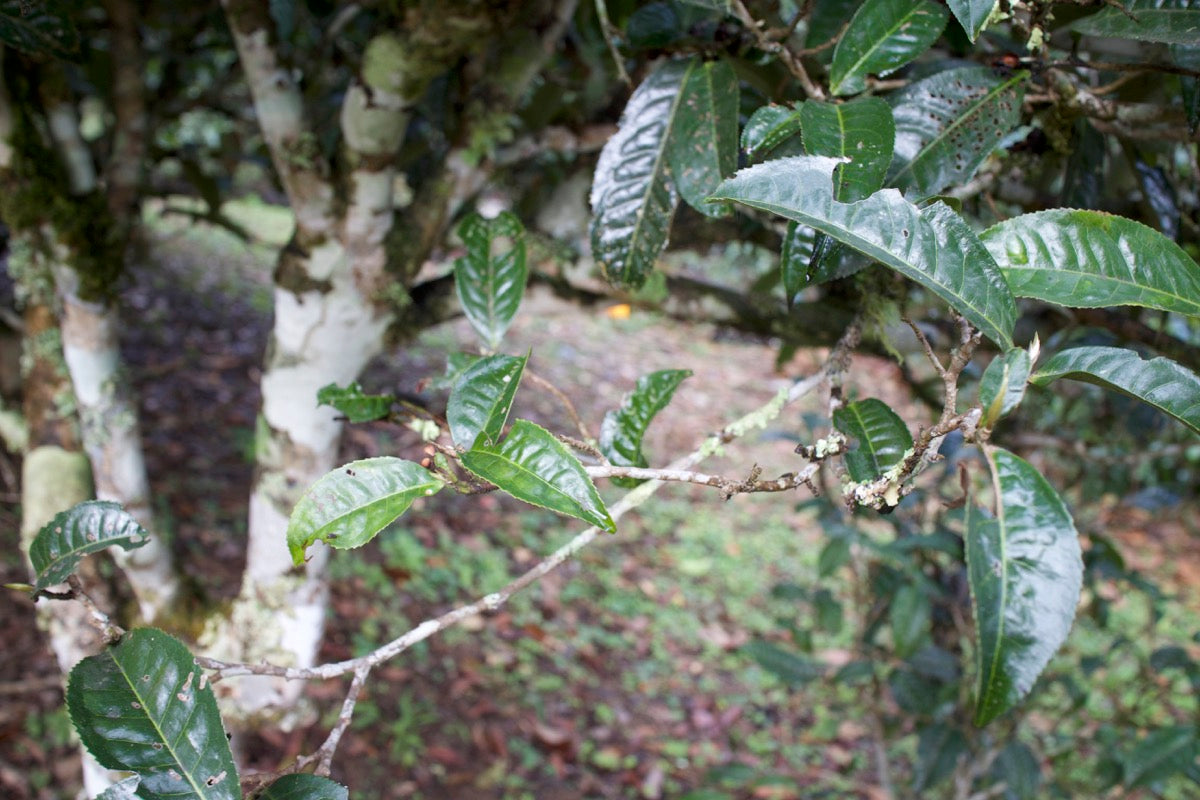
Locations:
531 465
788 667
39 27
882 437
633 196
482 398
972 15
1168 21
144 706
1025 571
347 507
948 123
861 131
934 246
353 404
768 127
79 531
883 36
1161 754
122 790
490 279
702 149
304 787
1161 382
1003 384
623 429
795 256
1089 259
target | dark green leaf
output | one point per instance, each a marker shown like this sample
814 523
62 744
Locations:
1089 259
490 278
909 617
633 195
144 706
795 255
934 247
702 147
304 787
787 667
654 25
1169 21
827 612
1188 56
353 404
1083 181
1018 768
834 555
347 507
79 531
531 465
768 127
972 15
1160 382
122 790
939 747
826 22
38 27
623 429
482 398
1161 754
882 436
948 123
883 36
1025 572
861 131
1003 385
456 365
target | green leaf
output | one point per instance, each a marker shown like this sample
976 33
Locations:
768 127
1025 572
531 465
633 196
456 365
939 747
1019 768
482 397
1160 755
834 555
39 27
79 531
972 15
347 507
702 147
909 618
1161 382
144 706
883 36
489 279
861 131
934 246
122 790
623 429
948 123
1169 21
305 787
882 436
353 404
1003 385
795 256
1089 259
1188 56
787 667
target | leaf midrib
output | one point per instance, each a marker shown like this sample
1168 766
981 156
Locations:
499 455
1149 290
852 71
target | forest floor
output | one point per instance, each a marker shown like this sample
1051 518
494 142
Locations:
620 675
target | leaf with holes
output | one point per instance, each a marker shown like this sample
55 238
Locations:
882 436
1003 385
622 431
347 507
490 278
1089 259
41 27
1025 571
532 465
948 123
933 247
633 196
768 127
1167 21
482 398
79 531
304 787
144 706
972 15
353 404
883 36
702 148
1169 387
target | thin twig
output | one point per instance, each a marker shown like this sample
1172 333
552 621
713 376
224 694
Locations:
110 631
563 399
789 58
609 32
924 340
